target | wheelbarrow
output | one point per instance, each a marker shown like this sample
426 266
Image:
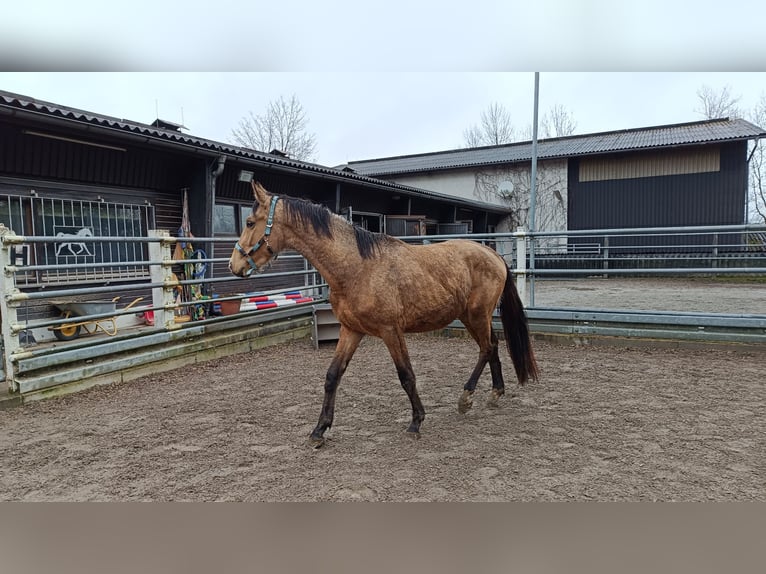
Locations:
75 309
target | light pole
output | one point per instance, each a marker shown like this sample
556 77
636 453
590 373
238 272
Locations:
533 193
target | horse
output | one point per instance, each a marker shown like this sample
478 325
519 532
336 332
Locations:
74 247
383 287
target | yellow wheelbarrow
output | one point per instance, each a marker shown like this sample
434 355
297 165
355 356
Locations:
75 309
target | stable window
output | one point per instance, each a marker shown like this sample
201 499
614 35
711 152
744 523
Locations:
229 219
76 255
224 220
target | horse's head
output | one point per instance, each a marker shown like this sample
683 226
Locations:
257 245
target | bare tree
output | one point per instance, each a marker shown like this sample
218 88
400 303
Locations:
496 128
757 179
512 184
281 127
721 103
717 103
558 122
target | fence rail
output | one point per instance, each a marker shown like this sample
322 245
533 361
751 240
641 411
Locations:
186 296
166 300
653 251
680 252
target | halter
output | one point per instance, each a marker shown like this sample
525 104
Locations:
263 240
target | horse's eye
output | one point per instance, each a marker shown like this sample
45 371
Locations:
250 224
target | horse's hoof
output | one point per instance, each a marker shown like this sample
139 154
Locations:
413 434
493 401
316 442
465 402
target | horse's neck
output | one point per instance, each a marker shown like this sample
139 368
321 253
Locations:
336 258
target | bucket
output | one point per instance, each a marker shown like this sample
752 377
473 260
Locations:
230 307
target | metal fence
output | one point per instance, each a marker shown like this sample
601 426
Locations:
543 261
161 299
657 251
49 326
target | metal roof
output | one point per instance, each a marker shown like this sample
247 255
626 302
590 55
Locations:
673 135
25 106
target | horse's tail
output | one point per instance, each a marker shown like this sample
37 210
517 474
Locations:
516 330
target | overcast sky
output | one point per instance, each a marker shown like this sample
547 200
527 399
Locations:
362 116
358 67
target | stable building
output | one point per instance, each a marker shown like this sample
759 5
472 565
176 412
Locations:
78 173
672 175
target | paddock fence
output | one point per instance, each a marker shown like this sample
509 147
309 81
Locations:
144 309
111 324
734 253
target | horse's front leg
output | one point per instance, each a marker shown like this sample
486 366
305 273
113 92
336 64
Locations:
347 344
398 349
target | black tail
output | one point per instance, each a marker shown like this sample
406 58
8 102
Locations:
516 331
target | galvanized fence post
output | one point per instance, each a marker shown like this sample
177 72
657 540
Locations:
714 262
522 279
10 340
162 297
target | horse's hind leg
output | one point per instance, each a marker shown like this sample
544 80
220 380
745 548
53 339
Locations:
347 343
481 331
398 349
498 384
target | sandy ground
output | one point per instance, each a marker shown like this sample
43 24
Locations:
603 423
654 294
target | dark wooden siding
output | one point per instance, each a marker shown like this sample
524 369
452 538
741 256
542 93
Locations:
70 169
712 198
24 155
709 198
228 186
359 198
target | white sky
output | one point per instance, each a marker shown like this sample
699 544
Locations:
362 116
359 66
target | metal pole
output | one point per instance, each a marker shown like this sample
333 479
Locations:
521 266
533 182
533 193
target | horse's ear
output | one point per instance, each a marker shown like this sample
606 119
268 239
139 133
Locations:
260 193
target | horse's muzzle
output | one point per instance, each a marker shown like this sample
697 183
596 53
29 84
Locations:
248 271
244 272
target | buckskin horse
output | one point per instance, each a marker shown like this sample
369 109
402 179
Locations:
384 287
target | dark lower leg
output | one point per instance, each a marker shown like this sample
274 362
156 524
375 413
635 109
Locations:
466 399
407 379
492 357
470 385
328 404
498 384
347 344
398 349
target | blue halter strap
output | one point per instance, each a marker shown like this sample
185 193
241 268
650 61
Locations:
263 240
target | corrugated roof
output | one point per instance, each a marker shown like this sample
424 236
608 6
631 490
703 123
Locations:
30 106
673 135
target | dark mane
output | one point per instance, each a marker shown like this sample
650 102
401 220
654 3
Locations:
303 212
369 243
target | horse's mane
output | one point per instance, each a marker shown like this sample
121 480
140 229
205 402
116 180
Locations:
304 212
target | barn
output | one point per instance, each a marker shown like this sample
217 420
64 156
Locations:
671 175
68 171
